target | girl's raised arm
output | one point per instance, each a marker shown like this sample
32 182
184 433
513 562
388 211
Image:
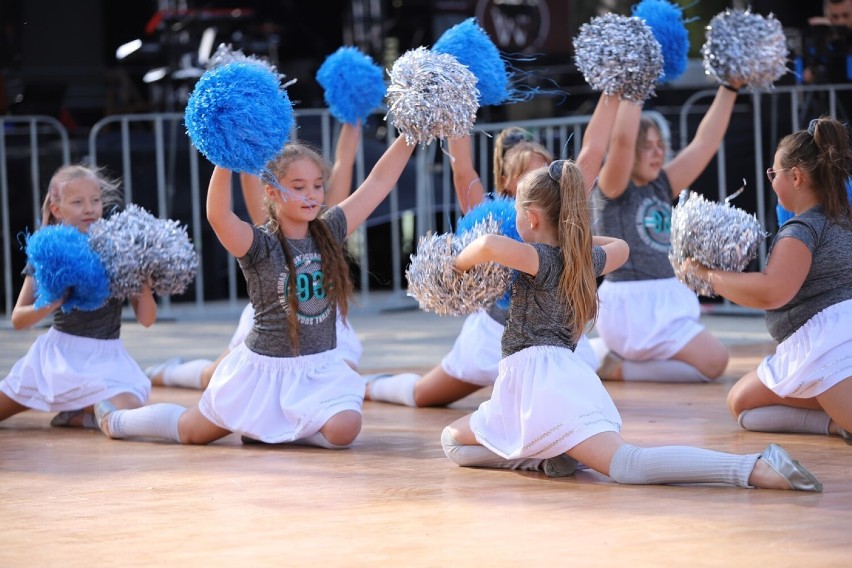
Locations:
252 187
596 139
383 177
469 190
235 234
615 174
340 181
685 168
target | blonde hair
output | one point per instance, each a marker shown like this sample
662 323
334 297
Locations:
558 193
504 142
335 264
518 160
111 197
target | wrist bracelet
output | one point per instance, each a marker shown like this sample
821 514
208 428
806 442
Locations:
730 88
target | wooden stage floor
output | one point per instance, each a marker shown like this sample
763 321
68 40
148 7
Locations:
75 498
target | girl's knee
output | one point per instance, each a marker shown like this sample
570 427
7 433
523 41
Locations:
342 428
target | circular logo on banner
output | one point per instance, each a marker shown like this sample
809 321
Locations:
519 25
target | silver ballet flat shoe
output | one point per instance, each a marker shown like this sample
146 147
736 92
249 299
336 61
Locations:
102 409
562 465
795 473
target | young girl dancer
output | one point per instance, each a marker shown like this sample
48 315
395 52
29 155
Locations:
545 403
80 360
806 290
197 373
649 322
472 362
285 382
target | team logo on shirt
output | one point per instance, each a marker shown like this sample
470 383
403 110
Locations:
654 223
314 306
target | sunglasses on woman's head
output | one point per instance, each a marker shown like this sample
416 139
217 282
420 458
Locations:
772 174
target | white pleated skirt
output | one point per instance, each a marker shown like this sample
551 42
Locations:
643 320
67 372
814 358
280 399
348 344
545 401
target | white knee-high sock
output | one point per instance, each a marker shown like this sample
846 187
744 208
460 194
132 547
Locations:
779 418
186 375
479 456
679 464
662 371
398 389
154 421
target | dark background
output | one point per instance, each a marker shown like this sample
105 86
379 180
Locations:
58 58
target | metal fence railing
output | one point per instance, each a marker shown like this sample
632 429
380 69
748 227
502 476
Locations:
161 171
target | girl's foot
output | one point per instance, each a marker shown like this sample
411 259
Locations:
74 419
102 411
612 367
775 469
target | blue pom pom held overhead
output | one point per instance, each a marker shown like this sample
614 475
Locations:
65 264
238 116
469 43
353 84
666 21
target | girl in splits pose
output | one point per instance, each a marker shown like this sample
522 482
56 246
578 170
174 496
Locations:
80 360
549 410
472 363
806 290
285 382
175 372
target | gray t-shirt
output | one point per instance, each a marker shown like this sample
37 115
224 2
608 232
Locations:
537 313
829 280
267 278
641 216
102 323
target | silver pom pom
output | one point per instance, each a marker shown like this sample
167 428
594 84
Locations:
718 235
431 95
619 55
745 48
226 54
138 248
440 288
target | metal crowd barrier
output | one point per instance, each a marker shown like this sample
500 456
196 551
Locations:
132 142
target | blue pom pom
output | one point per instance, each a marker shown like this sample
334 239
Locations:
666 21
502 210
469 43
354 85
238 116
64 263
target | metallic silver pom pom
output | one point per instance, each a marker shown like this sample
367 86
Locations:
718 235
431 95
440 288
619 55
745 48
138 248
